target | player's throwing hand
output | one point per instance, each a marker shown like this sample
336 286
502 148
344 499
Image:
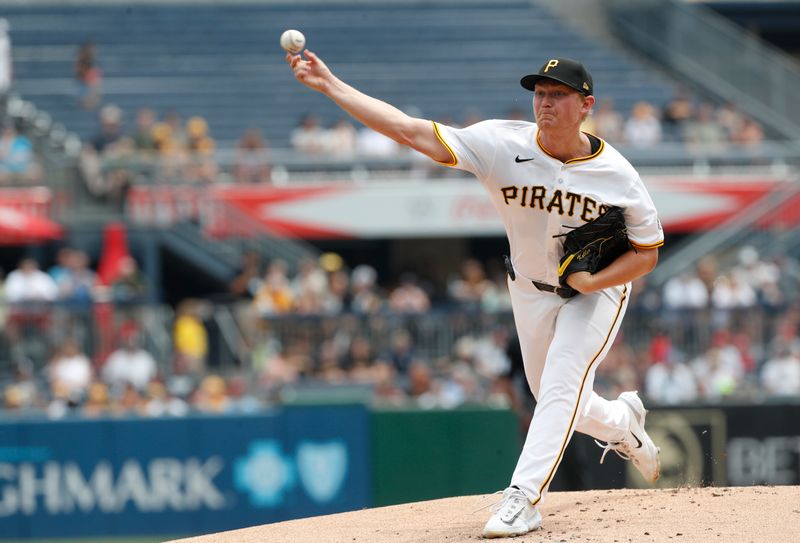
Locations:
310 71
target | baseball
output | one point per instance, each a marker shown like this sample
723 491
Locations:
293 41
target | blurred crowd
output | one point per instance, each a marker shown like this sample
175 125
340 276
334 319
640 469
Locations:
171 149
717 333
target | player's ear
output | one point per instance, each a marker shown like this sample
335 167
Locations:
588 103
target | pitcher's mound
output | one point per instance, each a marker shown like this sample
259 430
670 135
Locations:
682 515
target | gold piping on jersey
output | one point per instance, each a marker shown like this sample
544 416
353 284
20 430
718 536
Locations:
572 160
454 160
580 393
650 246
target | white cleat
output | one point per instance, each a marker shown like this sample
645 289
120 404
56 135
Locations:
637 447
513 516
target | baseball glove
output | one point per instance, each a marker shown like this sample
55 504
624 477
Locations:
593 246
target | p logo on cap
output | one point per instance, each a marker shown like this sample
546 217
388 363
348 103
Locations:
563 70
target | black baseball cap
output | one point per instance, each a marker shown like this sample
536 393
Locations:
564 70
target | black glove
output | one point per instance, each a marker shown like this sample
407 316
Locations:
593 246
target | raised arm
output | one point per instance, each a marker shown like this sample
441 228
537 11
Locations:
379 116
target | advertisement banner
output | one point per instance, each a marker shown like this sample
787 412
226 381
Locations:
421 208
181 476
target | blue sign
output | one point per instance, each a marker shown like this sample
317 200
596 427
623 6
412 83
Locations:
181 476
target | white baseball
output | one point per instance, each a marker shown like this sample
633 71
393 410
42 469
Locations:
293 41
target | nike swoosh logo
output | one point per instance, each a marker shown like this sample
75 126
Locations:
518 160
638 441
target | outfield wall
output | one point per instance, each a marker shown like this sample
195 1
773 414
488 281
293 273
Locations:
205 474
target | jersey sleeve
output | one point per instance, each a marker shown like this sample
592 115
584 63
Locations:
641 218
472 148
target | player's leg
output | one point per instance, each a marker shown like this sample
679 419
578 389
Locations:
535 315
584 331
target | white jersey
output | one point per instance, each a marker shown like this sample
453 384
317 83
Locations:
539 197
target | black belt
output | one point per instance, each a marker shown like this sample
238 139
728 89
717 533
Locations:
561 291
544 287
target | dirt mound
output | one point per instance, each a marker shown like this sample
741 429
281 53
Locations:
685 515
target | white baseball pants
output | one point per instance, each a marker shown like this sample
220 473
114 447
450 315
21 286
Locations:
563 341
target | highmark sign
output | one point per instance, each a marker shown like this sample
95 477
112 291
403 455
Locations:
180 476
161 484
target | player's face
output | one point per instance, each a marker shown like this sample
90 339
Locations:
556 105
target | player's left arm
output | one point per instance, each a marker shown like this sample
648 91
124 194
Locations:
629 266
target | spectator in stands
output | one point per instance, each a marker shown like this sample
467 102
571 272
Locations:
212 395
780 375
190 337
78 286
17 161
128 401
342 139
88 76
29 284
240 400
110 128
751 135
719 371
70 369
61 402
251 164
608 122
359 360
309 287
489 357
685 291
677 113
387 391
401 350
670 382
285 367
309 138
28 292
143 139
176 129
472 285
61 270
370 143
22 392
329 369
423 387
201 165
643 127
171 150
731 120
98 400
130 364
366 298
337 296
732 291
274 295
409 296
159 402
703 133
130 285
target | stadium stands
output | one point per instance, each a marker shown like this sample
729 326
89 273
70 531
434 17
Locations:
223 62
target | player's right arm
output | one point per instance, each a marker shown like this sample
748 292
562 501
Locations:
416 133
